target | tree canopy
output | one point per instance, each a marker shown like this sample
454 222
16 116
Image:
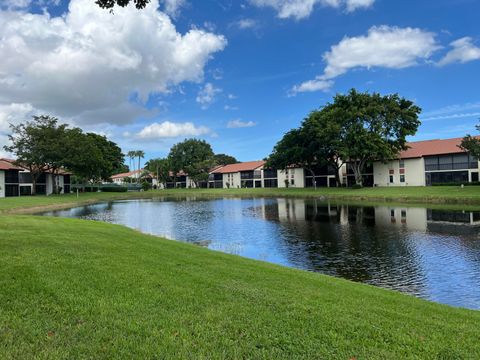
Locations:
193 156
224 159
109 4
472 144
43 144
357 128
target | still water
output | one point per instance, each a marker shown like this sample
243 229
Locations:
432 254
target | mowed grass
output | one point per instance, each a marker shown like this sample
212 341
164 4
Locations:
469 195
74 289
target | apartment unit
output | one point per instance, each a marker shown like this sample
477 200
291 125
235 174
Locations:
9 179
246 174
427 163
18 181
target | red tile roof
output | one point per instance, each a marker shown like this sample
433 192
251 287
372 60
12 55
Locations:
127 174
245 166
6 165
432 147
12 162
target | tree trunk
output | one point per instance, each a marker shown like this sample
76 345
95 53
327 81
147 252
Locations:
357 168
313 178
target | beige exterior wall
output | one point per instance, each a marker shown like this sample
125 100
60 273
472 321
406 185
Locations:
233 179
414 173
296 174
2 183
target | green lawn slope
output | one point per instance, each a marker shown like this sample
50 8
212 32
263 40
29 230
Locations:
72 289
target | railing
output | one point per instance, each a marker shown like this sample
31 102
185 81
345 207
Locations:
454 166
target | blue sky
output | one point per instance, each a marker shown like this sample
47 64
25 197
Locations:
236 73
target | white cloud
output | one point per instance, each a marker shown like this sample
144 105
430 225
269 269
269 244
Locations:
169 129
85 64
206 96
317 84
383 46
353 5
15 4
237 123
463 51
244 24
172 7
300 9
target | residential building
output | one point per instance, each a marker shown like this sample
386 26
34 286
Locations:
242 175
427 163
18 181
9 185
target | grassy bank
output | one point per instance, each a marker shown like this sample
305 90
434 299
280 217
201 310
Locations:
79 289
401 195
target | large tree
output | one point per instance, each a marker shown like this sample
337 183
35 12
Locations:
472 144
373 127
39 146
325 139
224 159
193 156
296 148
93 157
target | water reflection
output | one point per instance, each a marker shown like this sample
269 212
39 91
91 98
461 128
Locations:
433 254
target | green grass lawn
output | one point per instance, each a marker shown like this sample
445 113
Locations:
79 289
469 195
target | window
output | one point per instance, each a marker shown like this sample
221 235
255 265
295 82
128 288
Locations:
392 213
292 182
404 214
402 178
402 164
391 179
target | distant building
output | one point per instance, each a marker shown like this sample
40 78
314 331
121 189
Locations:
128 177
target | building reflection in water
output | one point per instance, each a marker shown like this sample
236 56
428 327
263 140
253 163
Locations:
404 248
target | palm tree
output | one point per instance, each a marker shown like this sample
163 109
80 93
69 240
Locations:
131 155
140 154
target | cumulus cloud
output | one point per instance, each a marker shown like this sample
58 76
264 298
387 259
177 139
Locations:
207 95
86 64
300 9
237 123
169 129
383 46
463 50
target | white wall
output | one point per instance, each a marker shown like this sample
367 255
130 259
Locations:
298 177
233 179
2 183
414 173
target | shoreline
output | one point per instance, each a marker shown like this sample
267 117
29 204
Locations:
370 197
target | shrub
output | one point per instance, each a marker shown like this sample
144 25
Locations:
91 188
146 186
114 189
356 186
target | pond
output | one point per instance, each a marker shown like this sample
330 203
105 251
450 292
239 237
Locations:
429 253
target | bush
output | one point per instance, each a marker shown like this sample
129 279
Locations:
114 189
91 188
356 186
146 186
